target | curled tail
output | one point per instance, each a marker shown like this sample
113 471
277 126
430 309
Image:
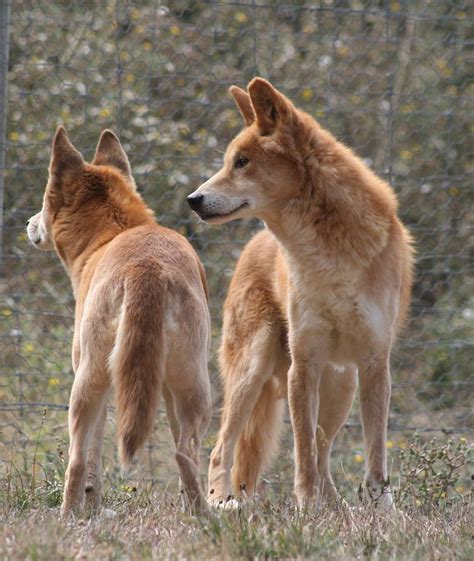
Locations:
136 364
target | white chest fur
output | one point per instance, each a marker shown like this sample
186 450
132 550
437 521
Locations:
348 318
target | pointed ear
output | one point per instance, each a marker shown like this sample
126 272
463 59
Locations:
64 157
244 105
271 107
109 152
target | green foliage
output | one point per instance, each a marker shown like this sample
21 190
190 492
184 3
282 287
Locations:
433 473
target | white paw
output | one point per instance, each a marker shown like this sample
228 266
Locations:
224 504
380 495
109 513
385 501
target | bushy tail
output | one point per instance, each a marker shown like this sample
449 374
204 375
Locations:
407 280
136 365
259 440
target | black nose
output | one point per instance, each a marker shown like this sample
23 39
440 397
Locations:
28 221
195 201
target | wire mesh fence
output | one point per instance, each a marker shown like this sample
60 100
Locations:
389 78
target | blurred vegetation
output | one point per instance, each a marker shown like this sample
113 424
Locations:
433 474
389 78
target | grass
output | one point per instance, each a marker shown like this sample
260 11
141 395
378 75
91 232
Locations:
433 519
142 520
153 526
431 479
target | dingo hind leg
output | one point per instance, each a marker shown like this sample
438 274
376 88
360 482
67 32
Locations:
187 395
171 414
94 462
192 408
87 403
187 389
258 443
245 371
88 396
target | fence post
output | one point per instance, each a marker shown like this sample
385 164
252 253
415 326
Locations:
4 50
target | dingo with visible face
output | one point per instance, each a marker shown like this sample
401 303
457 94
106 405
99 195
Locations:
315 303
142 325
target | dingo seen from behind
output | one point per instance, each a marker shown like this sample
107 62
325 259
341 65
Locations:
142 324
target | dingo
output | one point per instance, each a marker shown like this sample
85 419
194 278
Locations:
142 323
315 302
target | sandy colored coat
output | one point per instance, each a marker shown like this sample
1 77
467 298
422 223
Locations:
316 300
142 324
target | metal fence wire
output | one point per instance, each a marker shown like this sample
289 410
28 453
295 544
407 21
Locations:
389 78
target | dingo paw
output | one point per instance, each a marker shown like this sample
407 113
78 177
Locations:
378 494
223 503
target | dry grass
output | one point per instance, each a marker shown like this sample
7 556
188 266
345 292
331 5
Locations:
153 526
433 520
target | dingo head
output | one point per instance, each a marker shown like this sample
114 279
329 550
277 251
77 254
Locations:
263 166
72 181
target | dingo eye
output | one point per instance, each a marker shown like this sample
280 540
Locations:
241 162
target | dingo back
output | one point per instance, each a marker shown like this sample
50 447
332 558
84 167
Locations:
141 323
